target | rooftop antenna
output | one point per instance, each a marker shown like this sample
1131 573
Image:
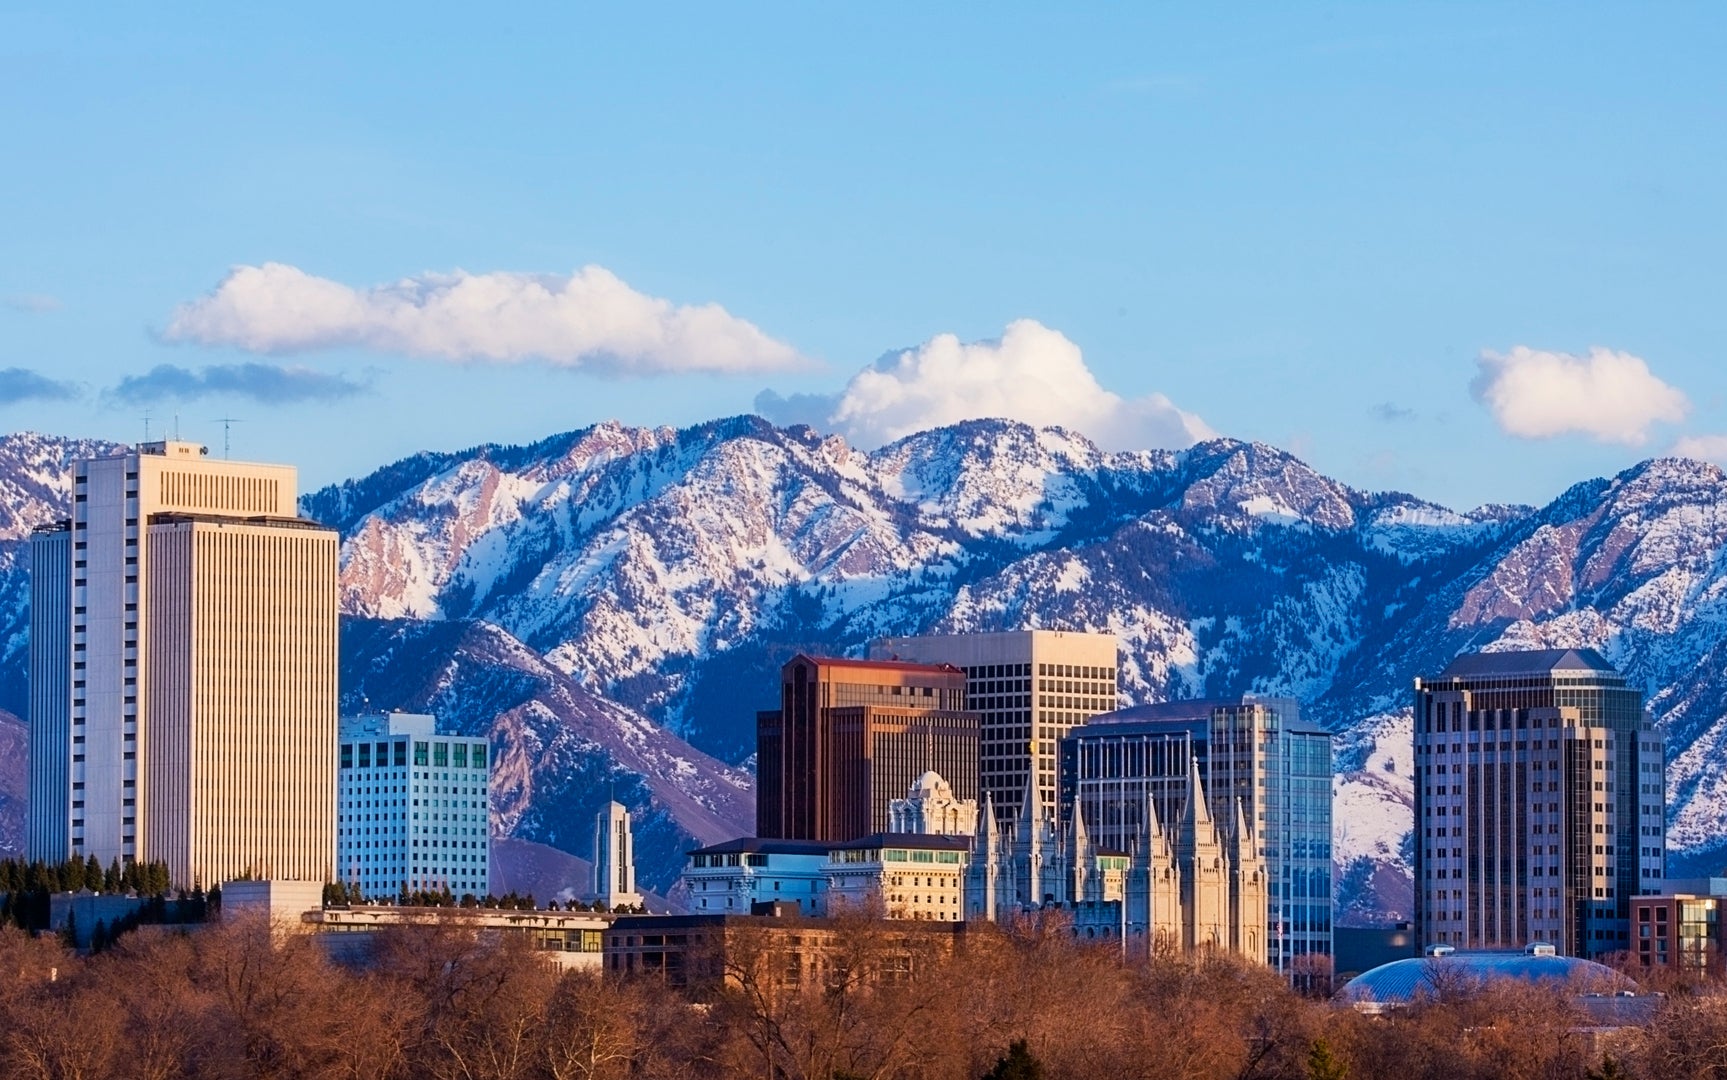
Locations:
227 423
176 427
146 425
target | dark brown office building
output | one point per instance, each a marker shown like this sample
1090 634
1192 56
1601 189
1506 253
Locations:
852 735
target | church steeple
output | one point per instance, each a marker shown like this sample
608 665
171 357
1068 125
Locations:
1080 861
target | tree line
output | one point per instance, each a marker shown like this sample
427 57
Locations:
1027 1000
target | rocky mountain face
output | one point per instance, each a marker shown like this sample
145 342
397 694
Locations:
672 571
616 583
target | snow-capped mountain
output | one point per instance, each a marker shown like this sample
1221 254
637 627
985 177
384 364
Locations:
673 570
652 581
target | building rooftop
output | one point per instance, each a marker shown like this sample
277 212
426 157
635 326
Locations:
880 665
765 845
930 841
1403 981
1527 662
1164 715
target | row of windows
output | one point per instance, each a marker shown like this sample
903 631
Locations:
442 755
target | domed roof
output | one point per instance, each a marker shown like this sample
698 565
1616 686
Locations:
929 783
1402 981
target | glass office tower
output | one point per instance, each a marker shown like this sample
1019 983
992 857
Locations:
1255 751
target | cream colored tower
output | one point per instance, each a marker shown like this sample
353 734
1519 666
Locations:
1030 687
201 725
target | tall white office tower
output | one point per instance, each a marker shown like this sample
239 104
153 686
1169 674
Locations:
183 671
413 807
614 858
1030 688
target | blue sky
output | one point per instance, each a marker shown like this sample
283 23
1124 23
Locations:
1386 237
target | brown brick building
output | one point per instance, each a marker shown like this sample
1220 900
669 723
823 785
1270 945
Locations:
852 735
775 953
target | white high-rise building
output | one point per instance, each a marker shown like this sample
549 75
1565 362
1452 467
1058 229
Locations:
183 671
414 807
615 857
1030 687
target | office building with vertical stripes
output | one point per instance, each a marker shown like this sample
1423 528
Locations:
183 654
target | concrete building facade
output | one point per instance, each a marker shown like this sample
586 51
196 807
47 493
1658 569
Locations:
615 858
1029 688
1539 803
734 876
184 639
899 876
932 807
850 736
414 807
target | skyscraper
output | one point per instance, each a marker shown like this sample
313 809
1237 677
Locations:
1030 688
850 736
1253 753
1539 797
183 659
414 807
615 857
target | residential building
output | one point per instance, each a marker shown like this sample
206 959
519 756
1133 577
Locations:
899 876
1257 754
1681 927
1029 688
1539 802
615 858
735 876
183 661
849 736
415 807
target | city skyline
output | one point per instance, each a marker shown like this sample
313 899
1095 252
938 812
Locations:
1167 227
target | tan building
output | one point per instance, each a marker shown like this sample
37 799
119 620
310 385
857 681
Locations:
900 876
850 736
188 644
1029 688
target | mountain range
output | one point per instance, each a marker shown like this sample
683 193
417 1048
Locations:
613 604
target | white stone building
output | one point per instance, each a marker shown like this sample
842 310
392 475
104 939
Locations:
899 876
931 807
734 876
615 858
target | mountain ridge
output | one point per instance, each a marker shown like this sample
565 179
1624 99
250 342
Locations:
665 573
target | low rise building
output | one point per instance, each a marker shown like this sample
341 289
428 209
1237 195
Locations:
900 876
771 954
568 939
1681 928
733 877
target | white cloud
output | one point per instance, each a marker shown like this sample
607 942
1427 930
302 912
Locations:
1703 448
1032 374
1609 396
589 320
32 303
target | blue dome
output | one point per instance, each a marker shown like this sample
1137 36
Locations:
1402 981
